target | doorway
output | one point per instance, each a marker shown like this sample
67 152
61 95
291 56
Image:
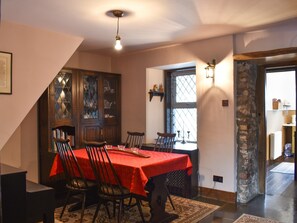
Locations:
251 135
280 109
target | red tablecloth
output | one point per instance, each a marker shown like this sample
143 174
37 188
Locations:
133 171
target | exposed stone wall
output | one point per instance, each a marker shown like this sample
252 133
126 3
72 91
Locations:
247 131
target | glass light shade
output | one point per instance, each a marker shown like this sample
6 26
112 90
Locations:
118 45
209 72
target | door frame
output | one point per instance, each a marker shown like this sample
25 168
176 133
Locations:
262 142
263 59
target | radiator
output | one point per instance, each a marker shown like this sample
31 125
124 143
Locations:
275 140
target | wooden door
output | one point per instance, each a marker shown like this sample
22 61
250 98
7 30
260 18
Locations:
90 109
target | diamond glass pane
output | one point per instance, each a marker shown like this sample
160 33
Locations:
63 95
186 88
185 123
90 94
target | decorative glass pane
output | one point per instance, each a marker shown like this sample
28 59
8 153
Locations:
90 97
182 112
186 88
109 98
185 123
63 95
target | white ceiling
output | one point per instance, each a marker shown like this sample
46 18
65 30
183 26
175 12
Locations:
148 23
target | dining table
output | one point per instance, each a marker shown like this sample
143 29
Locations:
136 171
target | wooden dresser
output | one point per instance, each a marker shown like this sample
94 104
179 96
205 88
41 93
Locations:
13 194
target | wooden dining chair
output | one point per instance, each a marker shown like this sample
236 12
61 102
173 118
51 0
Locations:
75 180
134 139
165 143
109 185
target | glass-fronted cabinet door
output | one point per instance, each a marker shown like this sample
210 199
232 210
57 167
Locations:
111 100
62 109
90 115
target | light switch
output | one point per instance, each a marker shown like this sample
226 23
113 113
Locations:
225 103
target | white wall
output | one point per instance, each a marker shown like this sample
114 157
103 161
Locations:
280 85
215 123
281 35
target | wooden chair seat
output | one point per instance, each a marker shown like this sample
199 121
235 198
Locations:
80 184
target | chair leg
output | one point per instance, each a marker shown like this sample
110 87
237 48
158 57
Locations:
66 202
130 201
140 210
114 208
168 195
120 210
83 207
96 212
107 210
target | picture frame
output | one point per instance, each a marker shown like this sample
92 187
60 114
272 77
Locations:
5 72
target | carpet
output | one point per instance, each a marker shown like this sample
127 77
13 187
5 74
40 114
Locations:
284 167
189 211
246 218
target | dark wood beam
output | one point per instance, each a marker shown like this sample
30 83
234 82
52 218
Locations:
284 53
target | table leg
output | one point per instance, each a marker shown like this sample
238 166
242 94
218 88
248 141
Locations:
157 199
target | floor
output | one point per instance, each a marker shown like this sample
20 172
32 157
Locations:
279 203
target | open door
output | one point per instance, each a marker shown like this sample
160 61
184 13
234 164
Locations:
280 111
295 156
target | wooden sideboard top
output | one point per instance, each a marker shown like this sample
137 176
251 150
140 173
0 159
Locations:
177 146
6 170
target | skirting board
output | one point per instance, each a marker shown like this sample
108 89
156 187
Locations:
229 197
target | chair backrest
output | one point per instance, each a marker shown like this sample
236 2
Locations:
134 139
106 176
73 173
165 142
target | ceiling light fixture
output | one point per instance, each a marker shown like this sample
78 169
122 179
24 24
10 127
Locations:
118 14
210 69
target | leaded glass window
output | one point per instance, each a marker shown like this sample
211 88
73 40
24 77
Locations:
181 111
63 95
90 97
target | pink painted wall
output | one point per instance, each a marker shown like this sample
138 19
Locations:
215 123
38 55
89 61
24 140
216 135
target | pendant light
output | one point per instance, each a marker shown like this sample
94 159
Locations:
118 14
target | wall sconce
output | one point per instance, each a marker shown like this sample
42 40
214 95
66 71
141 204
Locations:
210 69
